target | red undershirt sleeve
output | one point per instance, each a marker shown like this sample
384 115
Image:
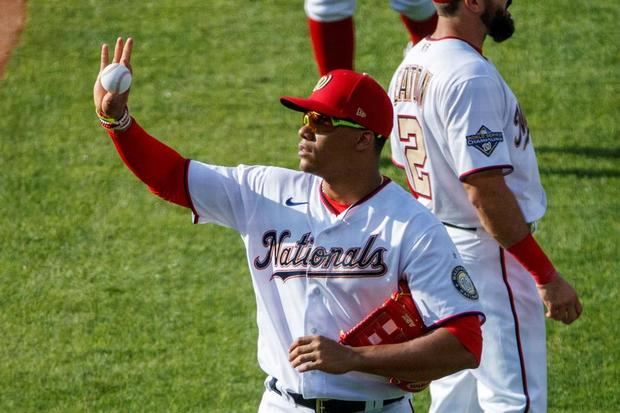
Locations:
467 330
160 167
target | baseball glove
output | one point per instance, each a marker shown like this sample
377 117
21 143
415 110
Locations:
395 321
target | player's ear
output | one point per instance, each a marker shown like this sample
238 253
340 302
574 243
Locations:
365 141
475 6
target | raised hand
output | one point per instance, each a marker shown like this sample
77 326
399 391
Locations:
107 104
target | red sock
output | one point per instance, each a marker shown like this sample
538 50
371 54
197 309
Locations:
333 44
418 30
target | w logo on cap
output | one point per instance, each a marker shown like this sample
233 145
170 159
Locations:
323 81
360 112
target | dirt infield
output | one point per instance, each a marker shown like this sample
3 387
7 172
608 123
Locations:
12 21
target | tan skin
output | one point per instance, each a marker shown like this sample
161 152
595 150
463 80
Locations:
348 163
344 158
109 104
466 24
495 204
501 217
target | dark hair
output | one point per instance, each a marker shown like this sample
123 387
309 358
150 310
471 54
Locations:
447 9
379 143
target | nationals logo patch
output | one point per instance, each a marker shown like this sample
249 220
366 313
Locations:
485 140
463 283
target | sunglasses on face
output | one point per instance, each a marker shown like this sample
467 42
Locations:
323 123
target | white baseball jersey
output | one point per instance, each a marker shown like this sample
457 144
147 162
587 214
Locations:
317 273
454 115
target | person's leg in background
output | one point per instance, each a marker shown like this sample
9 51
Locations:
332 33
418 16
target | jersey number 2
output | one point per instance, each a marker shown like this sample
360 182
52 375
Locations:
412 138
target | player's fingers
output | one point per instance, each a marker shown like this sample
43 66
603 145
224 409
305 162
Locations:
575 310
300 341
126 56
118 50
306 367
294 350
307 364
571 315
300 351
105 56
578 307
302 359
554 312
294 345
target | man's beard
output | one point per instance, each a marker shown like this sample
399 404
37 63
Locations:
499 25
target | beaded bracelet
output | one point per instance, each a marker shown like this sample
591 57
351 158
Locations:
118 125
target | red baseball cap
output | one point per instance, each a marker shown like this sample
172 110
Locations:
349 95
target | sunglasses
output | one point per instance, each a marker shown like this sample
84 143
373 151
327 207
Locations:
322 123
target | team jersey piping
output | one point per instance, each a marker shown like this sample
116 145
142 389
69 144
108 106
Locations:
331 209
431 39
507 170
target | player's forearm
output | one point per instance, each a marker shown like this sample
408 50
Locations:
501 217
160 167
497 208
426 358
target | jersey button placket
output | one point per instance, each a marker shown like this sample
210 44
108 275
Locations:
308 380
314 303
316 313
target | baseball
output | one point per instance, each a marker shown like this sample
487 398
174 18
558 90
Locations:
115 78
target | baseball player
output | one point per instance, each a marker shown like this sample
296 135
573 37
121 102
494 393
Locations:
325 246
463 140
332 31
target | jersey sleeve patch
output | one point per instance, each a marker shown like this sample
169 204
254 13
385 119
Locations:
463 283
485 140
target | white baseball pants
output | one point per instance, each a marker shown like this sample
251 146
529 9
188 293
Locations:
512 376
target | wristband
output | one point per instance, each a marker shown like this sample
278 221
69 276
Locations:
533 258
117 125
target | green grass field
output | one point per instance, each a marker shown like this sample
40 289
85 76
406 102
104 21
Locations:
111 301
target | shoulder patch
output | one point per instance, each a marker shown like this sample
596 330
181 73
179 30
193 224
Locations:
463 283
485 140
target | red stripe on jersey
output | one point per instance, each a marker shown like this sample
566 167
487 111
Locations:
187 194
433 39
413 192
160 167
333 206
506 170
337 208
384 183
396 164
513 309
